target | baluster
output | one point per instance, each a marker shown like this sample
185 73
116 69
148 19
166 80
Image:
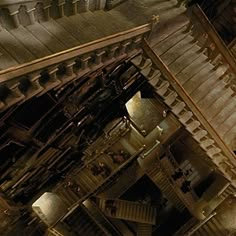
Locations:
68 7
112 51
62 9
85 62
123 47
70 67
32 15
23 16
98 58
16 19
47 12
75 6
7 19
86 5
39 13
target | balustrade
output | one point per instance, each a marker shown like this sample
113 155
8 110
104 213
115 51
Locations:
218 152
55 70
212 44
26 13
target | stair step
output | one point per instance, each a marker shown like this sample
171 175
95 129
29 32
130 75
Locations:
144 229
225 113
193 126
197 79
185 60
170 99
161 47
52 43
163 184
31 42
206 101
20 53
192 69
211 81
176 109
161 90
176 51
228 123
184 118
220 103
91 33
200 134
58 31
98 23
131 211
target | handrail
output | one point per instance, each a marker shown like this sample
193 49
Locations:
195 11
188 100
6 75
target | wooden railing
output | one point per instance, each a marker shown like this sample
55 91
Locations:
221 155
14 14
20 83
209 40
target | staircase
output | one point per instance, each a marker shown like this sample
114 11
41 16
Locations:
128 210
196 74
230 190
144 229
97 214
211 228
163 183
82 224
181 74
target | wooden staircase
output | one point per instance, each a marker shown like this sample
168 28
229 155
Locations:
81 223
181 74
230 190
197 74
144 229
211 228
163 183
128 210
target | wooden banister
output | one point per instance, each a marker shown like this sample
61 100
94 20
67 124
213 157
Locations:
156 60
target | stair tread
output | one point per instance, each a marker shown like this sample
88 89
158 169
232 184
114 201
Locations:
102 27
70 27
30 42
91 33
192 69
52 43
227 124
210 82
161 47
224 112
16 49
185 60
220 103
230 137
207 101
59 32
6 60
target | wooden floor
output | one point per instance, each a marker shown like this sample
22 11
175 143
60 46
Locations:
25 44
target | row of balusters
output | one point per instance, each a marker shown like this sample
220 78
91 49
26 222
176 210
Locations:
26 14
41 81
